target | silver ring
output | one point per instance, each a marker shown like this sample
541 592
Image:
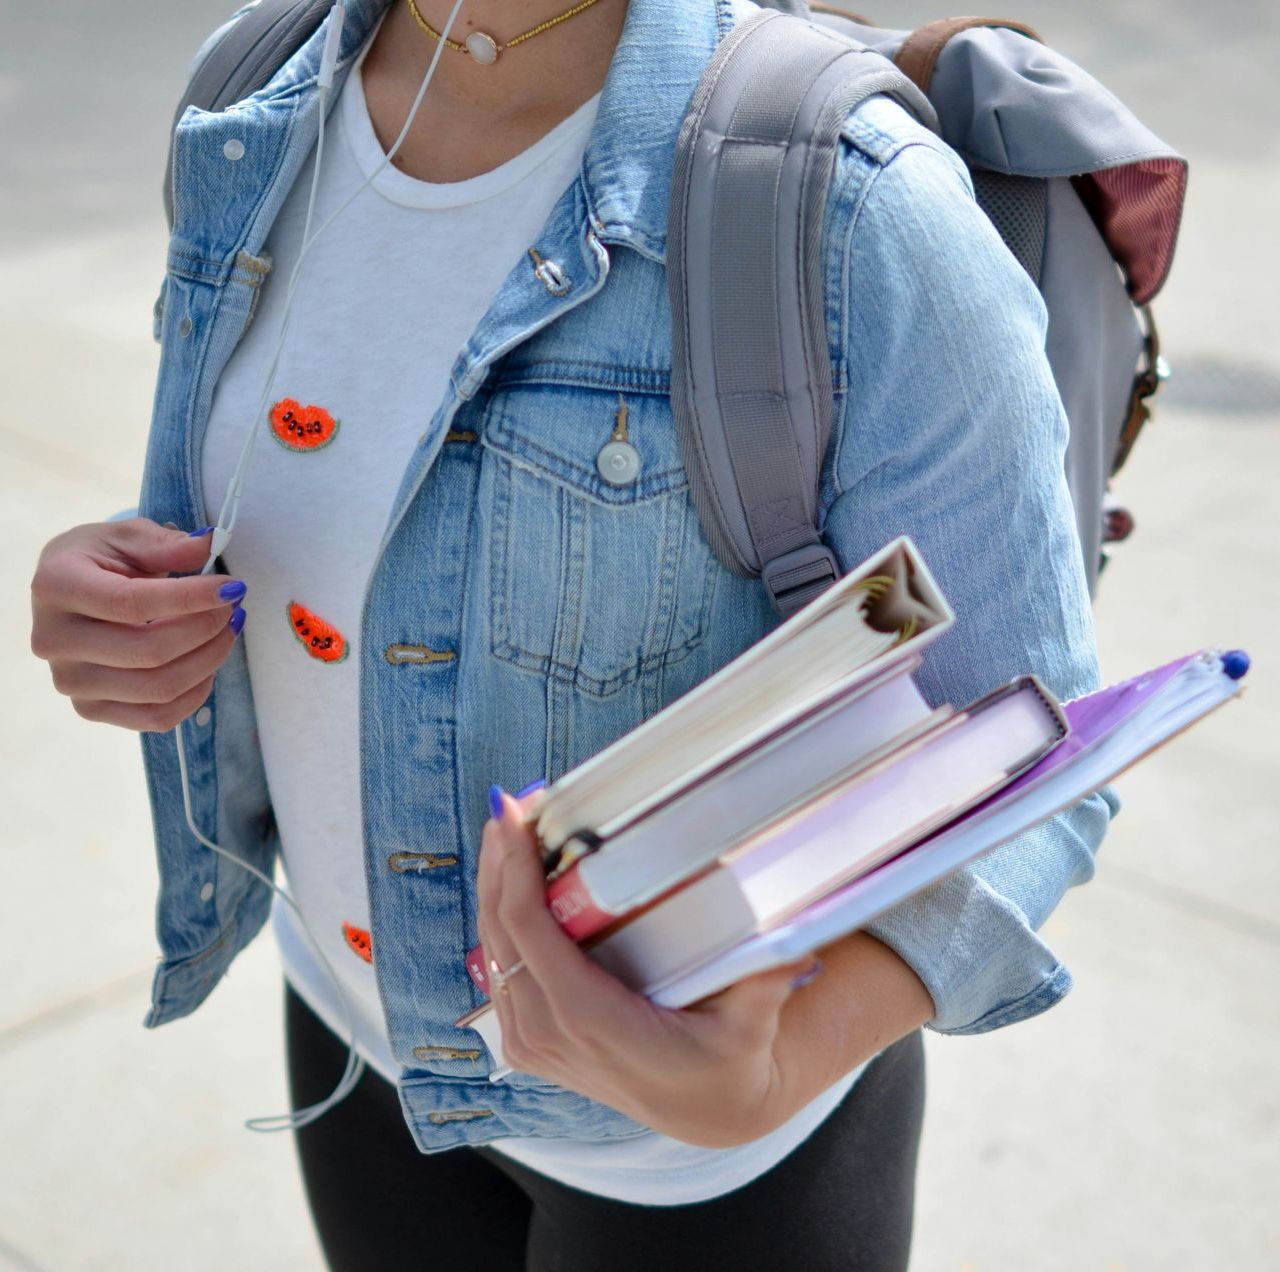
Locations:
498 978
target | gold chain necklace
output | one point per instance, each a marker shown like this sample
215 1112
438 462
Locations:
483 48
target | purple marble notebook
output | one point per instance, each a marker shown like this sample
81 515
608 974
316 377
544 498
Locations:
1110 730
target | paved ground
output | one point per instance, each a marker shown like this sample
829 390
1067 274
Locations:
1133 1127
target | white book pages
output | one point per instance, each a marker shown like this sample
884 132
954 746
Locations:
858 825
891 804
689 832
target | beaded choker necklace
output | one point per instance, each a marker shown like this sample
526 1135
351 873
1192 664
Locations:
482 47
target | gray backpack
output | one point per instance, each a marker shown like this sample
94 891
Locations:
754 163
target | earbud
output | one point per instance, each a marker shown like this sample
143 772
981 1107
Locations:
332 42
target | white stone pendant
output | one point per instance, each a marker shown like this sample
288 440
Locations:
483 48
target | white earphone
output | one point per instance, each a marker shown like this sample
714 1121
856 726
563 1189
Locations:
225 524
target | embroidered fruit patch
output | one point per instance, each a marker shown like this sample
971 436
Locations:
320 639
360 941
302 428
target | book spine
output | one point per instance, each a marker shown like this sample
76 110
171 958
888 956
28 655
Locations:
573 906
478 969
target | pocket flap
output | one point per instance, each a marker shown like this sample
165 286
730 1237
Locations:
559 432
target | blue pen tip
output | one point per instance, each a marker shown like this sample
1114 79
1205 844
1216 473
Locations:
1235 662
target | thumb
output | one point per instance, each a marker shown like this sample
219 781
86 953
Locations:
142 545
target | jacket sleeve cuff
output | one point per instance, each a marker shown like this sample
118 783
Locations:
976 954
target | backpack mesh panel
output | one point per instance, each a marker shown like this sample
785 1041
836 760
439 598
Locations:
1017 208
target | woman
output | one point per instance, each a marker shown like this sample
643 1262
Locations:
446 591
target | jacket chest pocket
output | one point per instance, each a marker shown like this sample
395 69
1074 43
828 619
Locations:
599 573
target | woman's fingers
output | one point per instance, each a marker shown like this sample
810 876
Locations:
581 995
124 600
566 1018
528 1033
497 945
74 638
165 682
99 576
127 644
489 875
149 717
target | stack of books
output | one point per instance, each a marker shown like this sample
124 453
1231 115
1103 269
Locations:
807 786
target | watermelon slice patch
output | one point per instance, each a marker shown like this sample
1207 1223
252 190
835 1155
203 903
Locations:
359 941
321 640
302 428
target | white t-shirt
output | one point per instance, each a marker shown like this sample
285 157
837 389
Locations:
357 392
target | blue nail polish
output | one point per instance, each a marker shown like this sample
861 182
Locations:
199 534
533 786
808 976
237 620
232 591
495 800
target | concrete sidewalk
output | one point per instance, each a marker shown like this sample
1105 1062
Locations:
1131 1128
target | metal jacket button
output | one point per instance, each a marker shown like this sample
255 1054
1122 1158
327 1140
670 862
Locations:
420 862
549 273
397 654
458 1115
446 1053
619 463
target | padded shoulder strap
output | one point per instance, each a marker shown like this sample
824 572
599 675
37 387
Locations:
751 375
249 52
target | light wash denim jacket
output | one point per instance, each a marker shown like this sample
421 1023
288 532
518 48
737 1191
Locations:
523 612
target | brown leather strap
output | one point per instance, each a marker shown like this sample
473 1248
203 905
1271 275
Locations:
1145 386
920 50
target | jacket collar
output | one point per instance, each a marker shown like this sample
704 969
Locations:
630 155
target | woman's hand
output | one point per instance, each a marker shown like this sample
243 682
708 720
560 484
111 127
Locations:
126 643
705 1074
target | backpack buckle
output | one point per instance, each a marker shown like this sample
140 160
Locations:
796 577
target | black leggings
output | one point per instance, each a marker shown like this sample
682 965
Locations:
841 1202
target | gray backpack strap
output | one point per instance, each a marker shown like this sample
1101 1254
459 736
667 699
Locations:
751 377
242 57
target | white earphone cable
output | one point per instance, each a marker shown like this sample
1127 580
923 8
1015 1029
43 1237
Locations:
230 509
355 1064
231 503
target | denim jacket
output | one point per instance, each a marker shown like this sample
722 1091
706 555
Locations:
524 612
